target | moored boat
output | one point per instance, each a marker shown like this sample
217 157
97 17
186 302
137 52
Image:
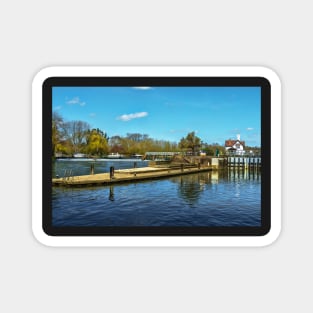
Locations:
79 155
137 156
115 156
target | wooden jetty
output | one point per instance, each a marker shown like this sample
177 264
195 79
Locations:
158 169
127 175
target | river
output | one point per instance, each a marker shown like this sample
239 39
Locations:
216 198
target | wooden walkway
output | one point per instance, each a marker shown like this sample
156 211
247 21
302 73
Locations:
125 176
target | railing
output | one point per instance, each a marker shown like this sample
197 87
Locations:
242 161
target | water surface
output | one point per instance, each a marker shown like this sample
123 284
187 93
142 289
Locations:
218 198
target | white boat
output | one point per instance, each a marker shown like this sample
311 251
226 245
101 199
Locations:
79 155
115 156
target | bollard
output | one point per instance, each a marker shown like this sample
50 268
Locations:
92 169
111 172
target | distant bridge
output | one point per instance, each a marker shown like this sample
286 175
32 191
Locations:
160 155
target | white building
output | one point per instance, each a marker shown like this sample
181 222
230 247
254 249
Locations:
235 147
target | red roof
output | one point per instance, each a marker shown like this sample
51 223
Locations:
230 143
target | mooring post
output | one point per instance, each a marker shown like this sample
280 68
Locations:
182 167
135 164
199 165
111 172
92 169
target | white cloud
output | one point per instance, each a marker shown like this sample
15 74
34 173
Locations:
142 88
76 100
57 108
128 117
92 114
250 128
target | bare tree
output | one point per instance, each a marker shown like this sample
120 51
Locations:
76 131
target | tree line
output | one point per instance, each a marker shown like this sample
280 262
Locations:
70 137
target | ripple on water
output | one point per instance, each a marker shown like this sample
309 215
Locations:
191 200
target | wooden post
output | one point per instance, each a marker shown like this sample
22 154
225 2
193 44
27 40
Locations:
182 167
111 172
135 164
92 169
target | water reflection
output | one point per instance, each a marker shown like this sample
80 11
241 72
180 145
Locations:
111 194
219 198
235 174
191 187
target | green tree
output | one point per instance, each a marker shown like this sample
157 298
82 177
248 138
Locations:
191 141
211 149
96 142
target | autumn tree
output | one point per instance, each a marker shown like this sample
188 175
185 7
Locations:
60 141
70 137
116 144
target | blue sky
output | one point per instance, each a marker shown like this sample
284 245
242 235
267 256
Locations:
166 113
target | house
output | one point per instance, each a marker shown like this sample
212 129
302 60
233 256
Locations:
235 147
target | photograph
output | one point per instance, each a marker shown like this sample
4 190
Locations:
156 156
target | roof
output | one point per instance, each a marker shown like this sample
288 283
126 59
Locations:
230 143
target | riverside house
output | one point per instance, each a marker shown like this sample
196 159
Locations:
235 147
